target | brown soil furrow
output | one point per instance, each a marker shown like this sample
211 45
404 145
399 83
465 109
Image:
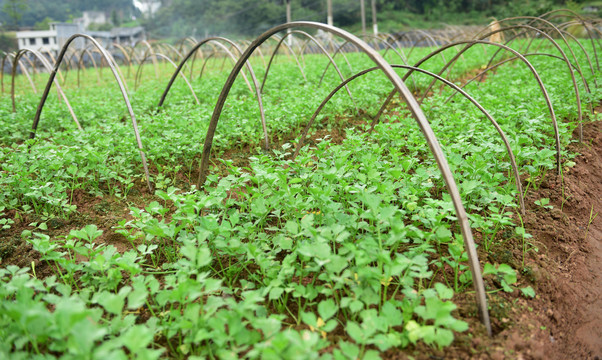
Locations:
573 293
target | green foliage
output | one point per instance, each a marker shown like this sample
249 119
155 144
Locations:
504 275
44 24
252 17
36 11
13 12
528 292
544 203
348 251
8 42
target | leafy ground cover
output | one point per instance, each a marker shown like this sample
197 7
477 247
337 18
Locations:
349 251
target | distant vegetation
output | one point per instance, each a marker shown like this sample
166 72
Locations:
180 18
37 11
250 17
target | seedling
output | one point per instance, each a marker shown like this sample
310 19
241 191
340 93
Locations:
526 245
337 253
544 203
504 274
591 219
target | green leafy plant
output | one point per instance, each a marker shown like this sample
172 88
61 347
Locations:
348 251
544 203
503 274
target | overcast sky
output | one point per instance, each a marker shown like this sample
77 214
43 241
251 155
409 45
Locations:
145 5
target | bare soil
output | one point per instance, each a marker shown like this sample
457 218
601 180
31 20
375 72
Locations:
568 268
563 321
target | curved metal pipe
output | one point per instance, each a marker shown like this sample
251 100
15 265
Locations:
575 67
468 44
175 66
533 19
32 66
259 52
339 49
566 60
206 61
331 61
389 46
418 115
126 56
4 57
589 60
23 70
446 82
80 65
194 57
188 39
560 30
174 50
427 36
287 49
149 50
46 64
583 22
421 32
247 65
496 65
126 99
230 56
406 34
267 70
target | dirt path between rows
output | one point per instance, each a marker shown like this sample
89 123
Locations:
565 320
575 246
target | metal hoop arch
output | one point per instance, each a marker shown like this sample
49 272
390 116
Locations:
119 81
23 69
418 115
248 66
48 67
165 57
566 60
446 82
468 44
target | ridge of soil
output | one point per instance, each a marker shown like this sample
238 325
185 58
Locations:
570 257
564 321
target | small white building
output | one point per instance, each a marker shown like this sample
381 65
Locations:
53 40
48 40
121 36
128 36
38 40
91 17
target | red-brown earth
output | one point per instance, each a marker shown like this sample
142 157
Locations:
563 321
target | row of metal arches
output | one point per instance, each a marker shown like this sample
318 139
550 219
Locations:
382 65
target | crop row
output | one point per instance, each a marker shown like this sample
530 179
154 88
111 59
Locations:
358 243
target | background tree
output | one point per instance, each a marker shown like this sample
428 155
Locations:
7 43
115 18
44 24
14 11
179 18
63 10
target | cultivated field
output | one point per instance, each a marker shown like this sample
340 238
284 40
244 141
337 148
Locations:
352 242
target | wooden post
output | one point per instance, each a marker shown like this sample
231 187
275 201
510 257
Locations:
363 10
289 38
374 22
